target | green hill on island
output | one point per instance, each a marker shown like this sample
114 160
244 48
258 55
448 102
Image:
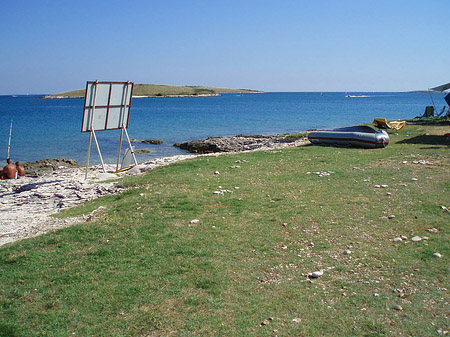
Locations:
159 90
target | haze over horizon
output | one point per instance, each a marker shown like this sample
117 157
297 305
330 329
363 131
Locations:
262 45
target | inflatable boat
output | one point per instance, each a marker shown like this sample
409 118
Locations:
358 136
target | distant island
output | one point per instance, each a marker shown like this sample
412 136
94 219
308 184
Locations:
160 90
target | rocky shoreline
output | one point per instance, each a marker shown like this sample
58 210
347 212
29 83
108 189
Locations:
45 166
52 185
238 143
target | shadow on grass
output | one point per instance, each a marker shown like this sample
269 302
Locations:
427 139
429 121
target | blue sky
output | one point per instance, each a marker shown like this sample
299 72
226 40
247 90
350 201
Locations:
283 45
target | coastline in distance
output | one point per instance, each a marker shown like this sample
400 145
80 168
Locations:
161 90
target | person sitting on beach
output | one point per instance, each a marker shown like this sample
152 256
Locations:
20 170
9 171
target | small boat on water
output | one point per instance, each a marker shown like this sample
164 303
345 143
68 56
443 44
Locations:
358 136
348 95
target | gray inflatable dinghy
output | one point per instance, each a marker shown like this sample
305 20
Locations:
358 136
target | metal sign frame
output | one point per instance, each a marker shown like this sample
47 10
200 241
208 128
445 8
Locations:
107 107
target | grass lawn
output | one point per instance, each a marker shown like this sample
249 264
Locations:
141 267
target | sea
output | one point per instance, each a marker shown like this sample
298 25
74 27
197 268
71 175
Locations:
51 128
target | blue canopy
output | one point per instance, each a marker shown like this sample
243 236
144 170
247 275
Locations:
441 88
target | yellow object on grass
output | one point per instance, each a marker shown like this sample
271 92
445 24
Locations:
383 123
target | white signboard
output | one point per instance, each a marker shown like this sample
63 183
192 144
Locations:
106 106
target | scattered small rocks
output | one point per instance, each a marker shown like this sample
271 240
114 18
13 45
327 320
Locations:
194 221
321 173
437 255
442 332
398 307
432 230
297 320
222 192
416 239
26 203
55 184
347 252
422 162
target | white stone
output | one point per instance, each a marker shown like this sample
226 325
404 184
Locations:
416 239
106 176
194 221
437 255
134 171
397 239
316 274
347 252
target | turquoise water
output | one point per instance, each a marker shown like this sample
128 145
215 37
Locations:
52 128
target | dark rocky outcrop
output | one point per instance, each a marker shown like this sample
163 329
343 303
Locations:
148 141
236 143
48 166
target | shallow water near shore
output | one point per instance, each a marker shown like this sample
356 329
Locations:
51 128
